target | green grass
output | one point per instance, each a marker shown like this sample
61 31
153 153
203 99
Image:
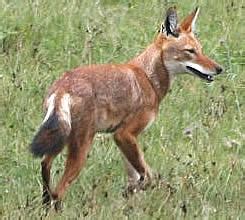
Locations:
41 39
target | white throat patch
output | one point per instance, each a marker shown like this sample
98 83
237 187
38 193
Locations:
173 68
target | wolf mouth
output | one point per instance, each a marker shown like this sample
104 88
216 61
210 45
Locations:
205 76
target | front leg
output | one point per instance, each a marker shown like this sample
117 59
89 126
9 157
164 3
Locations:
136 182
133 175
126 139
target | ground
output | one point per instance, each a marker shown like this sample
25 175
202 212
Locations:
196 144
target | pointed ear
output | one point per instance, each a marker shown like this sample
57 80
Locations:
171 22
188 24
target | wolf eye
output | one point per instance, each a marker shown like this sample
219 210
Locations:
192 51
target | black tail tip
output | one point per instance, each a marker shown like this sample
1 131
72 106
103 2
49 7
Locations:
50 138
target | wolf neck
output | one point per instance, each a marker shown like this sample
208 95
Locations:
152 64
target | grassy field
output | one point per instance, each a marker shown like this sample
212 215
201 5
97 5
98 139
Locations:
197 142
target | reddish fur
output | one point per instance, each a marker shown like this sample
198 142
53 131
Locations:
121 98
206 62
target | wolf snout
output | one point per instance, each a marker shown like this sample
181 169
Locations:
218 69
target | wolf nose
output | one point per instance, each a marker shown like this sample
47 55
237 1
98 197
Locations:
219 69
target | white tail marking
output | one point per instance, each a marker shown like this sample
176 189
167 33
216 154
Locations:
64 108
50 105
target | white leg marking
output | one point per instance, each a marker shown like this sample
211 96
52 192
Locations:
133 175
50 105
152 119
64 109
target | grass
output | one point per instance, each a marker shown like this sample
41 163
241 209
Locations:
205 167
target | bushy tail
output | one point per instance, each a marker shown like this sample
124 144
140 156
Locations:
53 133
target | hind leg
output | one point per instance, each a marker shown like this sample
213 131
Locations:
46 166
78 149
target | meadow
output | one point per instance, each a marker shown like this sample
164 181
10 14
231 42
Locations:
196 144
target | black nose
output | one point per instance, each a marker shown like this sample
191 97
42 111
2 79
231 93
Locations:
219 69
